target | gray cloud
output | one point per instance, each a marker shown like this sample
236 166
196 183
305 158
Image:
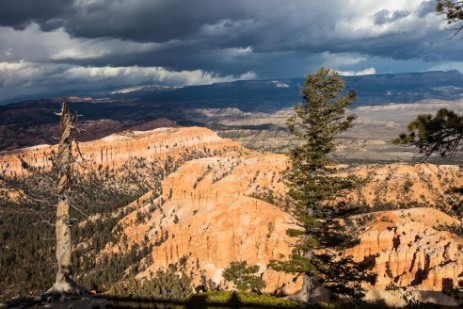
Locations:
47 13
425 8
272 38
266 25
385 16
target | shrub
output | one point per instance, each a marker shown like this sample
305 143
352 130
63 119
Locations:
165 285
244 277
236 299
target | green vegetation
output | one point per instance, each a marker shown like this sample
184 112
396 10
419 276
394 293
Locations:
228 299
27 238
164 285
441 133
234 299
27 233
313 190
453 11
243 276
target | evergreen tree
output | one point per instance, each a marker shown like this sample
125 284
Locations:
313 190
441 133
243 276
453 11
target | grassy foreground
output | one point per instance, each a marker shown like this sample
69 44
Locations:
235 299
230 299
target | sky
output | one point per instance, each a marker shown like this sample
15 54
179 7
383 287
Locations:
69 47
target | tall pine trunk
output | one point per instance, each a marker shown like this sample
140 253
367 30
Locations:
312 291
64 283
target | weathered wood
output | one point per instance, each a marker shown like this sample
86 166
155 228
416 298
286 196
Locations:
63 282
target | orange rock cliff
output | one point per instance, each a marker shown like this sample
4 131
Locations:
225 203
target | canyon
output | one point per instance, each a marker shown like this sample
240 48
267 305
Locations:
251 112
213 201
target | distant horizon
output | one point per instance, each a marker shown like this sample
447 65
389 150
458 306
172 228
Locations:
74 47
111 92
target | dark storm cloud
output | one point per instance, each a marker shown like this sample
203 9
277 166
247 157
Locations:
150 21
122 40
137 20
47 13
266 26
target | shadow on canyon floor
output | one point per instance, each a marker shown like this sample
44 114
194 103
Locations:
197 301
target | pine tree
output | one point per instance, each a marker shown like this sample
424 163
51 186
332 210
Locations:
313 189
243 276
453 11
441 133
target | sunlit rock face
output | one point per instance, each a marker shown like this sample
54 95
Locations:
410 249
117 149
217 211
222 203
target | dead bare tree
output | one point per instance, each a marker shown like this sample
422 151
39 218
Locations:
64 284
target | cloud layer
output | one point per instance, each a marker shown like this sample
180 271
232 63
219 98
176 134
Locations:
104 44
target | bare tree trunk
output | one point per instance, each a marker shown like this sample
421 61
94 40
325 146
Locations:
312 291
64 283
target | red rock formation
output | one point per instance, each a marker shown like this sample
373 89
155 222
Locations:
420 184
410 250
209 218
226 205
116 149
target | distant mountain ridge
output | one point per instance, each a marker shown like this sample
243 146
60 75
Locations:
274 94
32 122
